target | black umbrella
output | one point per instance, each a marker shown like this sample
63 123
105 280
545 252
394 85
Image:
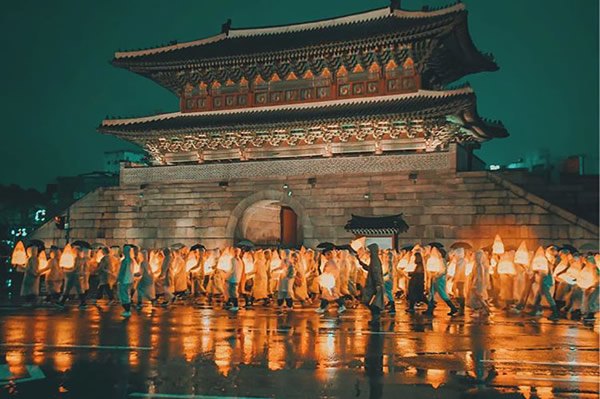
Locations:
37 243
461 244
198 247
570 248
245 245
345 247
81 244
177 245
407 247
326 246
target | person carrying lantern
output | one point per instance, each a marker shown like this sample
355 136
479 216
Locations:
106 276
74 279
545 279
436 274
329 282
55 277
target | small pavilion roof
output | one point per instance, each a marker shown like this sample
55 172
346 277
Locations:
376 225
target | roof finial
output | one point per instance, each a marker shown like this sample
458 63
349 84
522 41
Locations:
395 5
226 26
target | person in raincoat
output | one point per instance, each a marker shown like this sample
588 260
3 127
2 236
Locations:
260 290
55 277
285 287
30 287
331 293
478 285
233 280
167 277
125 280
146 285
416 284
74 280
545 279
300 285
588 281
437 284
387 263
106 276
373 290
179 273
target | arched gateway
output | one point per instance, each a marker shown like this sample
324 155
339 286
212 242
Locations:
269 217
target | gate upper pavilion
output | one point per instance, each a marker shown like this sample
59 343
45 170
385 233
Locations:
284 132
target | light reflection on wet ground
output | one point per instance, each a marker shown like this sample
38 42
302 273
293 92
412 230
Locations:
261 353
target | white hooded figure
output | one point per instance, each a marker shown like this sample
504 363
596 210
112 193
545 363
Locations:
125 280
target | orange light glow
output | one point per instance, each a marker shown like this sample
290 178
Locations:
67 258
506 265
411 266
522 255
540 262
155 262
224 262
99 255
191 262
19 256
248 263
327 281
435 263
498 246
43 261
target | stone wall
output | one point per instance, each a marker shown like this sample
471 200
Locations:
439 205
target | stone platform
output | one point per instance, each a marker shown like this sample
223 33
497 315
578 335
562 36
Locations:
160 206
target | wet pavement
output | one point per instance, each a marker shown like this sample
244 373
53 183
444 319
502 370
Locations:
198 352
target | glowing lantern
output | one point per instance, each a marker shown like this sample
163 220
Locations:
99 255
522 255
154 262
586 279
275 261
327 281
451 268
469 267
358 243
506 266
435 263
403 262
248 263
191 262
498 246
209 263
224 262
67 258
411 266
43 261
19 256
540 262
135 266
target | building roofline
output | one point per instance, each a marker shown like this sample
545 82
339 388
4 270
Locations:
107 123
296 27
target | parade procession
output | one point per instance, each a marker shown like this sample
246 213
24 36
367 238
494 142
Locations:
483 281
300 200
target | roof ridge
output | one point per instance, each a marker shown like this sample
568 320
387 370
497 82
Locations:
362 16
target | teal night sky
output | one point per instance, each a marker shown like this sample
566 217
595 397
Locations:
58 85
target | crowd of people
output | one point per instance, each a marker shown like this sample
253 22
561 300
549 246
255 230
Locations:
481 281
